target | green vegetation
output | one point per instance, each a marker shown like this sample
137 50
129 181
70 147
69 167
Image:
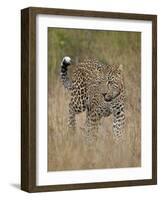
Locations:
107 46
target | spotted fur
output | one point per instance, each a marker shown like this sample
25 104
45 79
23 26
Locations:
97 89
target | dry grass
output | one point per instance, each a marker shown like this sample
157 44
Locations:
72 152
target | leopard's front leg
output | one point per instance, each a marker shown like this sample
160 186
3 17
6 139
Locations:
118 120
92 122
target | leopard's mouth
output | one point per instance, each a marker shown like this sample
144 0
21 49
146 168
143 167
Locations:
106 97
109 98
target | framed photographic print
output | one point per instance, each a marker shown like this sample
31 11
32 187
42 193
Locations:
88 99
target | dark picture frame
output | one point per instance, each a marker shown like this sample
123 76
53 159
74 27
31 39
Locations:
28 98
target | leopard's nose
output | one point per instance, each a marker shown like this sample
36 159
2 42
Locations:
104 94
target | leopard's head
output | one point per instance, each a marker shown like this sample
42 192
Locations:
113 84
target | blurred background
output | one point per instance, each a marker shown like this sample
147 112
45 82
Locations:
69 152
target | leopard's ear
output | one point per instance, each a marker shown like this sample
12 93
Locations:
120 67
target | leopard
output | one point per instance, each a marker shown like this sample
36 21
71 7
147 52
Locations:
97 89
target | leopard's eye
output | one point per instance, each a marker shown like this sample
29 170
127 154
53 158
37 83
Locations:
108 82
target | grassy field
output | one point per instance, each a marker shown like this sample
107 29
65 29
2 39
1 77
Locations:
72 152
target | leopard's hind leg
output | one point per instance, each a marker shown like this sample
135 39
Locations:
71 119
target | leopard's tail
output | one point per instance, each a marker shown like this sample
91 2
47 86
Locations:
66 62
